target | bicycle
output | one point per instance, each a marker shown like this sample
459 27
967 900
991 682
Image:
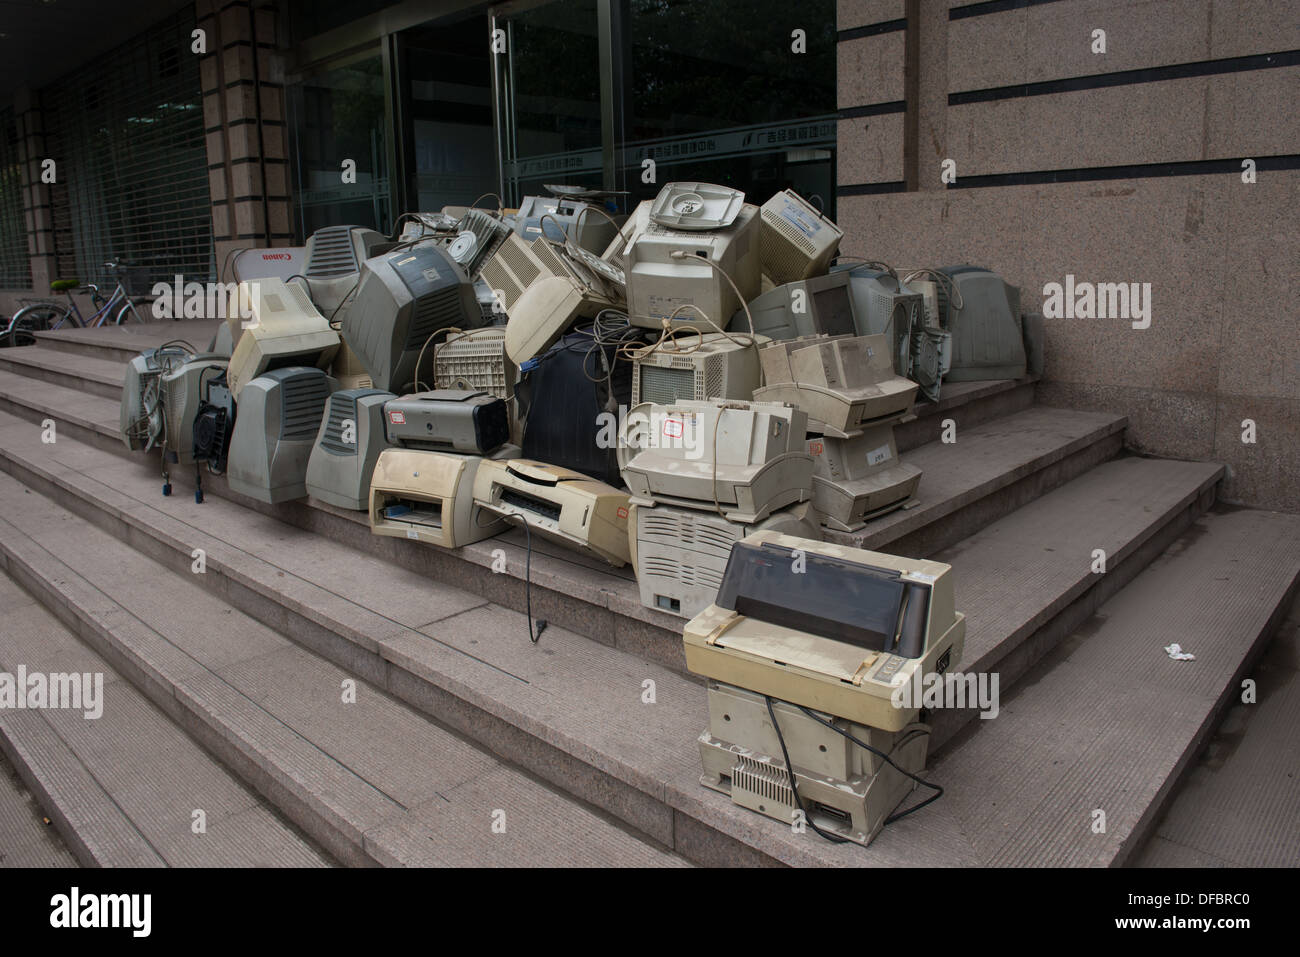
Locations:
46 314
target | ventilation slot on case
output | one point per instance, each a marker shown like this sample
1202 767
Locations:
302 400
763 781
341 409
332 253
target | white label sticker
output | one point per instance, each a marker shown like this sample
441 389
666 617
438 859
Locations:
878 455
412 533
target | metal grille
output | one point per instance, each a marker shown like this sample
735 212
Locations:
476 360
15 268
763 780
342 407
332 253
663 386
302 404
126 131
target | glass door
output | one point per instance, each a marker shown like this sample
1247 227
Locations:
337 119
549 84
449 92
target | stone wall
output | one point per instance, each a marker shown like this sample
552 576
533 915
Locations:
1123 166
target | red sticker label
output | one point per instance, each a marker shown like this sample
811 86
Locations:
622 513
397 418
815 448
673 428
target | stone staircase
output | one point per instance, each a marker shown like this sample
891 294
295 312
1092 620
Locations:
458 716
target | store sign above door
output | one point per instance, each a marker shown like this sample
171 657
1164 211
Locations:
818 131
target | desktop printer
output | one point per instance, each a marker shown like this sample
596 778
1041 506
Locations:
859 478
743 459
429 497
448 420
562 505
679 554
825 637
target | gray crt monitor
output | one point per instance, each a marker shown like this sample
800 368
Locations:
403 298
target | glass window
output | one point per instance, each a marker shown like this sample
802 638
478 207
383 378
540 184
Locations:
550 89
127 133
450 70
337 115
716 93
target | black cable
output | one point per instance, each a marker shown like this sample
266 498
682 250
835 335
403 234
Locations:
789 770
888 760
528 572
834 838
528 587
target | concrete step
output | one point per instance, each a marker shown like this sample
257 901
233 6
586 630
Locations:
970 403
1029 580
1239 805
370 780
123 787
26 839
125 342
1108 722
82 373
568 708
992 469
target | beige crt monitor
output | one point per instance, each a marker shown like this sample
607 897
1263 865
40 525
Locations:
698 367
543 290
429 497
844 383
796 241
843 632
560 504
742 459
282 328
677 273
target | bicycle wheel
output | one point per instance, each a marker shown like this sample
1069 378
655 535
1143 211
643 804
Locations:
34 318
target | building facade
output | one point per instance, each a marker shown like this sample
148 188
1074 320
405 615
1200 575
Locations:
1131 166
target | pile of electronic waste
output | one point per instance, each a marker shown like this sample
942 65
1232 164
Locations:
691 389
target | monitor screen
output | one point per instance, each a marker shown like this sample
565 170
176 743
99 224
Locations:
833 311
